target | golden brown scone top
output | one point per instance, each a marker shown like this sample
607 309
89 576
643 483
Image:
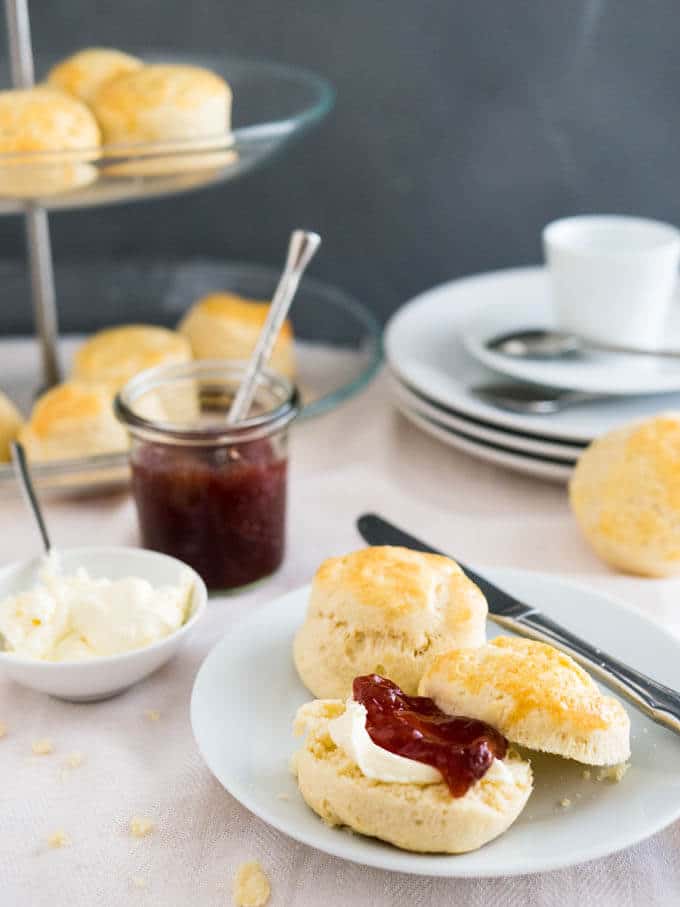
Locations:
114 355
234 309
85 72
158 85
400 581
45 119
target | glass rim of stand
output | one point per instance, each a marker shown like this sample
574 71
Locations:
214 433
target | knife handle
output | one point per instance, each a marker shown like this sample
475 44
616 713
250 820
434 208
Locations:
659 702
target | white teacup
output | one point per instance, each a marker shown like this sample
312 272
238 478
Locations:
612 276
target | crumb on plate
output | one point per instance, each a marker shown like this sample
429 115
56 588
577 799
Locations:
283 796
140 827
42 747
251 885
58 839
138 882
74 760
565 802
613 773
3 729
152 714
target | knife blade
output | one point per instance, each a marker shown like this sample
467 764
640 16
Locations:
657 701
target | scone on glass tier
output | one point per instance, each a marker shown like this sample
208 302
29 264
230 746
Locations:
625 495
537 696
85 72
73 420
226 326
386 610
176 107
10 424
115 355
458 787
35 121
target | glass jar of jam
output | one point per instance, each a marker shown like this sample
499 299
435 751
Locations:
211 494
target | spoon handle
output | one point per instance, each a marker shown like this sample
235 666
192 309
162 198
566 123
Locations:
301 250
630 350
26 484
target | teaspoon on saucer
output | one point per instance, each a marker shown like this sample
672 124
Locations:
541 343
532 399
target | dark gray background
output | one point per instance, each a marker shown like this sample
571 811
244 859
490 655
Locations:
460 128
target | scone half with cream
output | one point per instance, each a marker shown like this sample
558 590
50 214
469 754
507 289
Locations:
386 610
350 780
537 697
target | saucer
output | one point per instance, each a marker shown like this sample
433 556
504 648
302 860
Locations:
594 373
424 348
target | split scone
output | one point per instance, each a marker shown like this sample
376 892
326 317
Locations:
226 326
625 495
42 119
537 697
73 420
115 355
349 780
386 610
85 72
10 424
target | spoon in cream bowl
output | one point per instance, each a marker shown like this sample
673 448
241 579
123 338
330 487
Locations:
84 624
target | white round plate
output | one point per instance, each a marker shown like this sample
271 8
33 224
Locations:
424 347
515 442
246 694
532 465
593 373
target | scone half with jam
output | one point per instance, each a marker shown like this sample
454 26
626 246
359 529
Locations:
476 793
537 697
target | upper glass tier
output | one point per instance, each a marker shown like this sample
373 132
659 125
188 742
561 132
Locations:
272 103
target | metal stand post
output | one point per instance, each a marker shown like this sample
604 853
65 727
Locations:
37 226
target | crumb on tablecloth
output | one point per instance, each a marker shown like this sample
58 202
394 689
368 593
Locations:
251 886
42 747
140 827
58 839
152 714
138 882
3 729
74 760
585 774
565 802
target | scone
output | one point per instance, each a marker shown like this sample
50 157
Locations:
72 420
625 495
384 610
421 817
535 695
10 423
115 355
85 72
43 119
226 326
179 108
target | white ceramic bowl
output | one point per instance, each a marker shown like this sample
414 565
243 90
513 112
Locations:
99 678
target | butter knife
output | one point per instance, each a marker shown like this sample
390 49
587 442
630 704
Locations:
659 702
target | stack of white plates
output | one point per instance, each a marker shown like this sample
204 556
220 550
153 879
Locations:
437 353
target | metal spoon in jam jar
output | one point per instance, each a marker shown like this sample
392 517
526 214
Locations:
301 249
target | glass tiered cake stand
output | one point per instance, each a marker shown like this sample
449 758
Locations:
272 105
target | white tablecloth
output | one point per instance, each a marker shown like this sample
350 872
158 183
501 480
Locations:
358 458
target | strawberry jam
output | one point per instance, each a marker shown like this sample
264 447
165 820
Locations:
219 509
462 749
